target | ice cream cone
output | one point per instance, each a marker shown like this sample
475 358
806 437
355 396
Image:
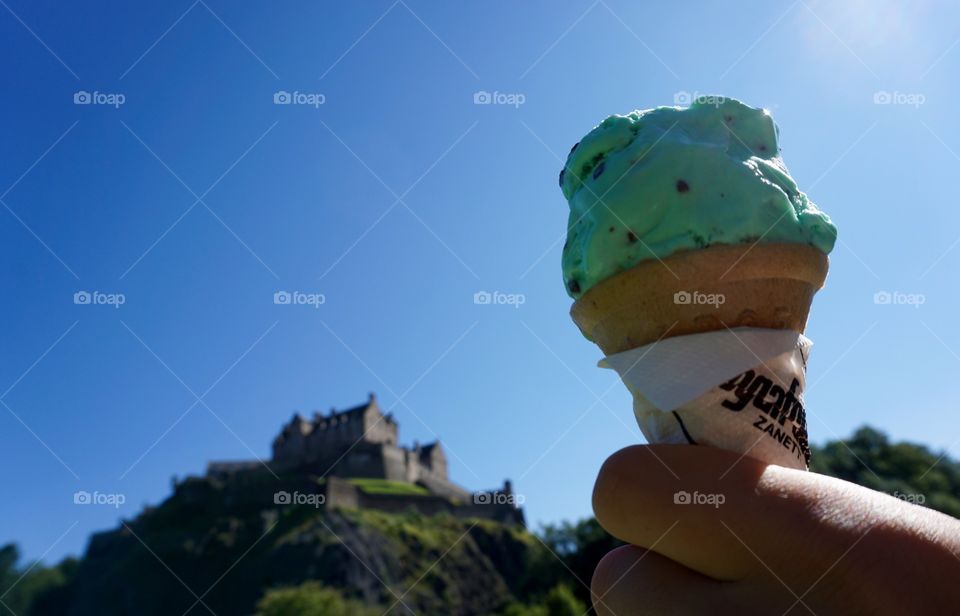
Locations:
768 285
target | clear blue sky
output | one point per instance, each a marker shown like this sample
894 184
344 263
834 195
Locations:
398 198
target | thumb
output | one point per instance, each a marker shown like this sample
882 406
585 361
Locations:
633 581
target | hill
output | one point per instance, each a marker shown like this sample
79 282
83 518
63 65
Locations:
218 546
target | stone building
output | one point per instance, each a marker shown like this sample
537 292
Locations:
362 443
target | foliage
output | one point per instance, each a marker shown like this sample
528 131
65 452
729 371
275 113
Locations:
310 599
560 601
32 588
905 470
579 547
441 563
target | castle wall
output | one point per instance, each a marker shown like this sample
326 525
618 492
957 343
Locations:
508 514
226 468
434 505
396 503
340 493
256 488
445 488
352 430
395 463
438 462
379 429
364 460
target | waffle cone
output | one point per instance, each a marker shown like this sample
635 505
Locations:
761 285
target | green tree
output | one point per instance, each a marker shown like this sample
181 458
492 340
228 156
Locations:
9 556
309 599
905 470
33 588
519 609
577 548
560 601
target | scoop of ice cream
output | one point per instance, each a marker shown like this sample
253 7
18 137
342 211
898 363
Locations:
652 183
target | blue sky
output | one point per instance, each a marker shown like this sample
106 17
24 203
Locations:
397 199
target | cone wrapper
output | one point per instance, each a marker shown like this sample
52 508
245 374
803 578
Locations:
737 389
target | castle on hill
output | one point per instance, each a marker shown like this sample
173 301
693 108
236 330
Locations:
362 443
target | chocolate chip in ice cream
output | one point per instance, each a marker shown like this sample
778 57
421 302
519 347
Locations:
574 286
682 186
598 170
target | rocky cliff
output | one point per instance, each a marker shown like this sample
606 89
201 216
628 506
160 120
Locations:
219 546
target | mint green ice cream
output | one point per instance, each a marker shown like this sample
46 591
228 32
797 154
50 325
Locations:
652 183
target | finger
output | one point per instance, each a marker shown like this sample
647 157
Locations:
717 512
633 581
789 535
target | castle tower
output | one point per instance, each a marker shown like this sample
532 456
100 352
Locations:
290 444
434 459
377 427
